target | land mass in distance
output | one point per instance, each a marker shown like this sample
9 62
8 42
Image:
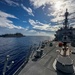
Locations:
13 35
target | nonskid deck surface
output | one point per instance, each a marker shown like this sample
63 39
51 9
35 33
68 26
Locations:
44 65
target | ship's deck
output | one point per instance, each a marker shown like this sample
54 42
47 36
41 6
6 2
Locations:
44 65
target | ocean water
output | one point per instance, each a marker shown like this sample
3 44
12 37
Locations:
17 49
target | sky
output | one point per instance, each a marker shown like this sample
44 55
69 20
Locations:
35 17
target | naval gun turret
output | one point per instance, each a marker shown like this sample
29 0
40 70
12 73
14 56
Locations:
64 62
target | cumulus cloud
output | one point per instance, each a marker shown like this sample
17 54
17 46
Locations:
29 10
39 3
11 3
56 8
39 33
72 24
41 26
5 22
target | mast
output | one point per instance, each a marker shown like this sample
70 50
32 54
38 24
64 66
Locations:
66 19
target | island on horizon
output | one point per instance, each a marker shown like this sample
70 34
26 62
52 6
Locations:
12 35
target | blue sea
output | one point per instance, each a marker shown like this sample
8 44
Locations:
17 49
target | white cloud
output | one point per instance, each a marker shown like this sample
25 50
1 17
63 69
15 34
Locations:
43 34
38 33
29 10
5 22
39 3
57 19
41 26
52 3
11 3
5 15
56 8
72 24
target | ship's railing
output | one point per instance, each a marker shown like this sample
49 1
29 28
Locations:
28 56
32 49
7 66
21 67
